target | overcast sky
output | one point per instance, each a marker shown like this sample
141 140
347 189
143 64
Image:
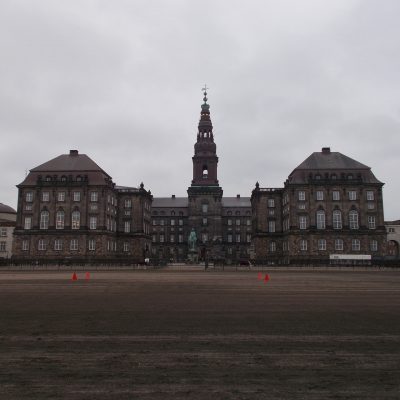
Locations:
121 81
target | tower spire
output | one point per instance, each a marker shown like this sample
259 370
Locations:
205 124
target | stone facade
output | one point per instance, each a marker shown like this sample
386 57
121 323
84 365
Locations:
330 208
393 239
70 209
7 224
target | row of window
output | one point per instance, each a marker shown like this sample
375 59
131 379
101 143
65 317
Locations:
322 246
73 245
76 196
204 238
75 221
351 194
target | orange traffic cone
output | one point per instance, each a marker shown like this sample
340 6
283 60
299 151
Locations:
74 277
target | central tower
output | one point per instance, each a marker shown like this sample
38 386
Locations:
205 194
205 160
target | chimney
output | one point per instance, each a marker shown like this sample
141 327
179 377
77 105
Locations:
73 152
173 196
326 150
238 196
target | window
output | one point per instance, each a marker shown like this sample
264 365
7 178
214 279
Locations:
29 197
128 203
355 244
392 230
92 222
337 219
161 222
25 245
73 244
127 213
320 195
321 244
321 219
126 246
60 219
370 195
204 221
271 211
204 237
335 195
75 220
94 196
237 222
44 220
58 244
353 219
370 205
238 238
302 195
248 238
42 245
127 226
229 238
3 232
204 208
76 196
271 203
272 246
28 207
172 222
28 223
154 238
374 245
302 222
248 222
154 222
352 195
180 238
371 222
45 196
229 222
338 244
61 196
302 206
180 222
2 246
271 226
172 238
303 245
92 244
161 238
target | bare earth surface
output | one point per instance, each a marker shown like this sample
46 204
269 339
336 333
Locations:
200 335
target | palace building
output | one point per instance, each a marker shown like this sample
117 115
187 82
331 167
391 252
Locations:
329 208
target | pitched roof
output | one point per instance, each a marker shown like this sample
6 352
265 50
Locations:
69 162
236 202
4 209
170 202
330 160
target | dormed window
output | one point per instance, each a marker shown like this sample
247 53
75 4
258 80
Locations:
353 219
75 219
60 219
320 219
44 220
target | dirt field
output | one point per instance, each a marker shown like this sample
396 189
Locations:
197 335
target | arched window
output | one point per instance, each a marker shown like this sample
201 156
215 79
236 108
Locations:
337 219
205 171
60 219
75 219
44 220
320 219
353 219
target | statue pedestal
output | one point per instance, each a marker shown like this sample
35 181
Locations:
193 257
